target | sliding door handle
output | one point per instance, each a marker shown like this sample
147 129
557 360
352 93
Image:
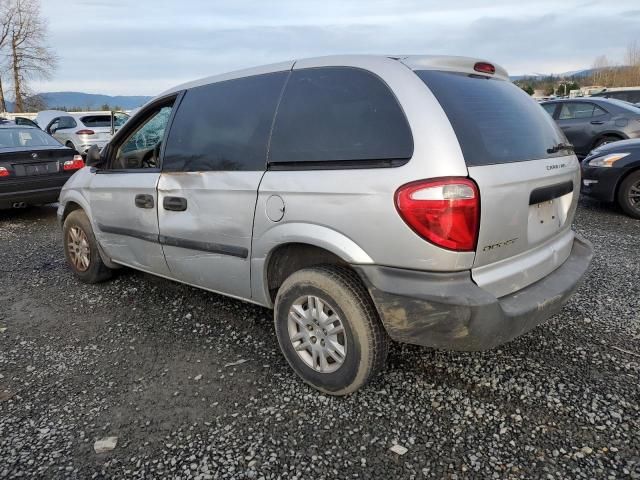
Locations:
175 204
144 201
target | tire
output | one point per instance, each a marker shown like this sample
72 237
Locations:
629 194
76 235
604 141
362 346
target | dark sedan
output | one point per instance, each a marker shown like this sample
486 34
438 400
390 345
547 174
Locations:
612 173
591 122
33 166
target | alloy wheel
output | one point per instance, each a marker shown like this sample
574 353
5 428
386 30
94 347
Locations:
79 250
317 334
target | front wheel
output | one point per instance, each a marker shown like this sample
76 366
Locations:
329 330
81 249
629 195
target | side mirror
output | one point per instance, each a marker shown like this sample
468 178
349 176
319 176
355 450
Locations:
94 158
52 130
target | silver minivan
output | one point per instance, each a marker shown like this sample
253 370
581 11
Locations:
365 199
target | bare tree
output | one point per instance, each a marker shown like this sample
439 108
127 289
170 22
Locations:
29 54
601 67
632 60
6 19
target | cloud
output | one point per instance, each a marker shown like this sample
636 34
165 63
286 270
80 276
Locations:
147 46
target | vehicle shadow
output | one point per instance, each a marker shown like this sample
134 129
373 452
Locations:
31 212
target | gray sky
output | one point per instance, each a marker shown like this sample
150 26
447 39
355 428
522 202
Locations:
141 47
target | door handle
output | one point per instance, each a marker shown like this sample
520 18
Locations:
144 201
597 122
175 204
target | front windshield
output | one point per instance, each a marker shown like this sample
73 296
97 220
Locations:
25 137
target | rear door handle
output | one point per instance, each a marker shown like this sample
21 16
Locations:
144 201
597 122
175 204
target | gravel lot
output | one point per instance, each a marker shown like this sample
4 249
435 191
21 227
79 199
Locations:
151 362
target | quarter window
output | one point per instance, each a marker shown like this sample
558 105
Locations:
338 114
225 125
597 111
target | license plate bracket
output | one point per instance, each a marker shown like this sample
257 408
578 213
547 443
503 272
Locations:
545 219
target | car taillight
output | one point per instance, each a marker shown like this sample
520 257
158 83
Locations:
4 172
76 164
85 132
445 211
484 67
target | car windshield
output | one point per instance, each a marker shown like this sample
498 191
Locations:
25 137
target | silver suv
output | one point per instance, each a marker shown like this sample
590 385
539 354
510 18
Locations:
80 130
364 198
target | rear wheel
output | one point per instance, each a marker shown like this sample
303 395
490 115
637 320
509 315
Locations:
605 140
328 329
629 194
81 249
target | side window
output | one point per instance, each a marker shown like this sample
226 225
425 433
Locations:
141 147
574 111
339 114
550 108
224 126
66 122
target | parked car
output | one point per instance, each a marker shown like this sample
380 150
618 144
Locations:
591 122
612 173
33 166
421 199
631 95
80 130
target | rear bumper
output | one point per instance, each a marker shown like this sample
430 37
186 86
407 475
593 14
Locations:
449 311
32 190
44 195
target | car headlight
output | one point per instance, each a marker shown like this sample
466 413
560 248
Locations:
606 160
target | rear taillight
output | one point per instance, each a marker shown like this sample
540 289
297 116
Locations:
4 172
445 212
85 132
484 67
76 164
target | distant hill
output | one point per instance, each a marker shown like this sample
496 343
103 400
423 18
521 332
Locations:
574 74
91 101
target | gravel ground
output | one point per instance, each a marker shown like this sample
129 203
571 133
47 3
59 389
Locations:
151 362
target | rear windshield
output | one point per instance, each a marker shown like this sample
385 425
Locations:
494 120
103 120
625 105
25 137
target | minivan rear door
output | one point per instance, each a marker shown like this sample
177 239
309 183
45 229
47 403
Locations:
528 181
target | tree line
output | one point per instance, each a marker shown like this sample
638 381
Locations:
605 73
24 52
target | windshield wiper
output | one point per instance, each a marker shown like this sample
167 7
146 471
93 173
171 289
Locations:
561 146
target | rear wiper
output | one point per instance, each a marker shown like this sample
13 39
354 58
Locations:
561 146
